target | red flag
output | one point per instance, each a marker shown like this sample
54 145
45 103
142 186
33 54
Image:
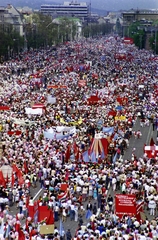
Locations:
75 147
15 168
20 177
67 154
27 201
90 147
2 180
32 233
25 167
76 151
77 155
67 175
50 219
27 225
21 235
152 143
46 147
12 180
17 225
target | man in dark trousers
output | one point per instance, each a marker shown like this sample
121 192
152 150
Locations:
89 206
68 235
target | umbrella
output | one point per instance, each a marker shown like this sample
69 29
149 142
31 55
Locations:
119 108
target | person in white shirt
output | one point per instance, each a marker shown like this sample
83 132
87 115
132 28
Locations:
72 212
114 180
24 210
152 206
78 190
56 212
64 214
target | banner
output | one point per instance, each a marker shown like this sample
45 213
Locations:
56 86
128 40
56 136
4 108
17 132
72 123
51 99
66 129
22 122
41 213
93 99
38 105
151 151
125 204
37 111
108 130
120 118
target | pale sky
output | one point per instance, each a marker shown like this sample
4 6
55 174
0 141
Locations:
124 4
113 5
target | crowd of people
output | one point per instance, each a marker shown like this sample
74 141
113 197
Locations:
57 104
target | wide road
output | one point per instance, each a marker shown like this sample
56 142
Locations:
147 133
138 144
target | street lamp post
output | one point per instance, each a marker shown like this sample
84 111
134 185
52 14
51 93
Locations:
25 38
18 43
155 40
140 39
56 24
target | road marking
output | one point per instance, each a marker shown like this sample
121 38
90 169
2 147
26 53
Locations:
149 134
37 194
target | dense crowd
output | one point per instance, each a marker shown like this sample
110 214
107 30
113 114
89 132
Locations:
54 103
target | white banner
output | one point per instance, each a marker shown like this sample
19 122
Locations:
37 111
51 99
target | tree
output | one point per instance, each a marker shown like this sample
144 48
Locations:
153 40
95 29
37 33
10 42
137 32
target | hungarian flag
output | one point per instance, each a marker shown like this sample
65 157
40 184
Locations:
62 196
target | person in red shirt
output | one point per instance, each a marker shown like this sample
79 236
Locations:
150 234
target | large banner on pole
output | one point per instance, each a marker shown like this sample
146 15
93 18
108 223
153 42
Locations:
125 204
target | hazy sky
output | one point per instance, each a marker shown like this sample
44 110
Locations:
124 4
114 5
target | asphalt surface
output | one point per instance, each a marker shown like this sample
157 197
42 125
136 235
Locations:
138 144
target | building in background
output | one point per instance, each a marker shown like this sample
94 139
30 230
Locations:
11 18
69 9
138 15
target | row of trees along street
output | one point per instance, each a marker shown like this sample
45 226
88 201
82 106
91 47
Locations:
143 34
40 32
